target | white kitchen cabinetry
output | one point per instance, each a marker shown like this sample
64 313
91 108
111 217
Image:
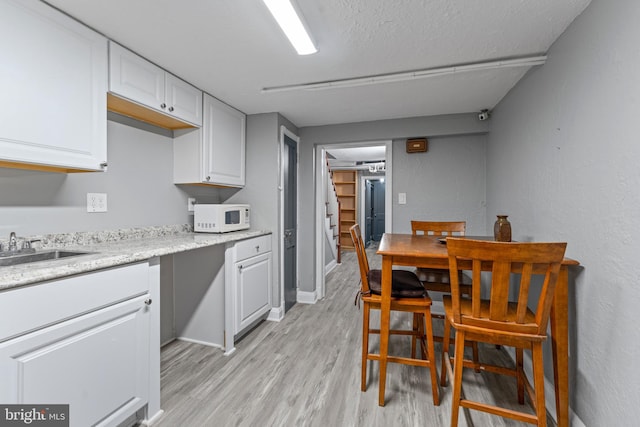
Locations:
53 83
138 80
247 287
216 154
82 341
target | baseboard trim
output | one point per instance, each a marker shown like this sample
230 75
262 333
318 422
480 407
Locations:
154 419
307 297
208 344
329 267
574 420
276 314
169 341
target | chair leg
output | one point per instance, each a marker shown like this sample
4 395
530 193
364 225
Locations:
421 338
520 374
445 352
414 338
476 359
365 345
432 357
458 359
538 383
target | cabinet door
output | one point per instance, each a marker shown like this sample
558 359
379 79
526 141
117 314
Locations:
253 289
183 100
53 82
135 78
223 143
96 363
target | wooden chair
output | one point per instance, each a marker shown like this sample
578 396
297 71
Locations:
437 280
497 320
407 295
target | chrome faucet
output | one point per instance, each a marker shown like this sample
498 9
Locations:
13 242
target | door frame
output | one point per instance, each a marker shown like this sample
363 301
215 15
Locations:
319 176
281 150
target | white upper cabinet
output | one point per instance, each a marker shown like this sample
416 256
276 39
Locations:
53 83
224 143
216 153
142 82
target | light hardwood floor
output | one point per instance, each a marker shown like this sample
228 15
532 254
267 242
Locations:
305 371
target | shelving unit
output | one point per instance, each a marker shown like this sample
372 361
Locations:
346 187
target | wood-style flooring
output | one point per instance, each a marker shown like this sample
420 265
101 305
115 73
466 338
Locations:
305 371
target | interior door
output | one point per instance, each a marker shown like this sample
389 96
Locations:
368 211
289 165
377 204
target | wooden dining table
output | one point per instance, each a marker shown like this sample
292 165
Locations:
431 252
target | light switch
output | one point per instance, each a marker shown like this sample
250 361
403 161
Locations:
402 198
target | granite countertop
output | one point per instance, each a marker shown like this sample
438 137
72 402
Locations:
112 248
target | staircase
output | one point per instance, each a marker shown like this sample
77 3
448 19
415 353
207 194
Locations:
332 214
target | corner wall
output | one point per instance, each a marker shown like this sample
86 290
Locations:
562 161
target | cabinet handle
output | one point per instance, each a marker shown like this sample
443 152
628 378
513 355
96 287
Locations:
163 105
240 267
258 248
103 165
170 108
208 178
148 301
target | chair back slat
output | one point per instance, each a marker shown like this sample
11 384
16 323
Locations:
501 276
525 283
438 228
505 258
361 253
476 289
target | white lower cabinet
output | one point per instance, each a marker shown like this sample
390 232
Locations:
247 286
90 350
252 289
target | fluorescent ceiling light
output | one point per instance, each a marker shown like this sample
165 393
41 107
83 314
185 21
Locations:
291 24
410 75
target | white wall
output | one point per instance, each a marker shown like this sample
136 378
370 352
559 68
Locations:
262 180
138 183
455 138
447 183
562 161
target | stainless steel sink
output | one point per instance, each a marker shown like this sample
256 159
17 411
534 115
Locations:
45 255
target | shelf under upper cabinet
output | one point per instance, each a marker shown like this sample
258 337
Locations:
131 109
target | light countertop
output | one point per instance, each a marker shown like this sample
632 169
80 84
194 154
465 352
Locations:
113 248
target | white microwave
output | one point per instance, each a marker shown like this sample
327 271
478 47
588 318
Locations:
220 218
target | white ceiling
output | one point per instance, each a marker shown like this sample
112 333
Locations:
350 156
233 49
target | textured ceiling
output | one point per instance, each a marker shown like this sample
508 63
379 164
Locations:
233 49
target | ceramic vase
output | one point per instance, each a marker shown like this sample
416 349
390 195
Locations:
502 229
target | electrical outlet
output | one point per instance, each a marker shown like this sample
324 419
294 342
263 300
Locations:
190 204
402 198
96 202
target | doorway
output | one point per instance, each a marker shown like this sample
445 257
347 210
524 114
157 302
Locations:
289 162
374 209
320 206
